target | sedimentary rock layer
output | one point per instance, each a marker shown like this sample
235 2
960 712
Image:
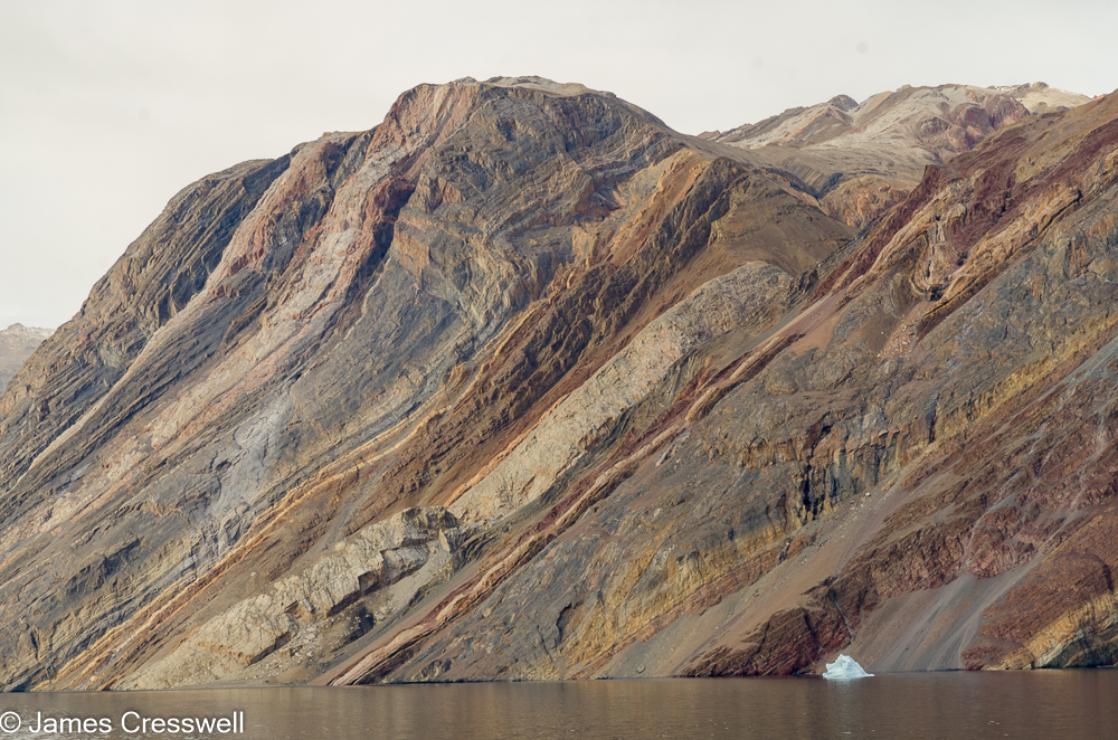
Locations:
523 384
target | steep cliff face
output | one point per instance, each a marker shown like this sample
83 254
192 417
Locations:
302 349
17 343
523 384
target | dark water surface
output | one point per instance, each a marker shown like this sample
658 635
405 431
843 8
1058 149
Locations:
1041 704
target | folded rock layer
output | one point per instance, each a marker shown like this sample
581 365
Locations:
522 384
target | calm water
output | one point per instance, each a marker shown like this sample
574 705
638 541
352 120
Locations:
1043 704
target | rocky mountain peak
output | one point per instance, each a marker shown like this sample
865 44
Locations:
860 158
522 384
18 329
430 109
844 103
1040 97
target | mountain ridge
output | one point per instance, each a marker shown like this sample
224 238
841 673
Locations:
521 383
873 152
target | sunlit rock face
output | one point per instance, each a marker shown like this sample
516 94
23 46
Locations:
521 383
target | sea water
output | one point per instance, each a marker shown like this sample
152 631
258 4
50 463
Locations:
1039 704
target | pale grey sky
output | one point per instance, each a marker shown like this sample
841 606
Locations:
108 108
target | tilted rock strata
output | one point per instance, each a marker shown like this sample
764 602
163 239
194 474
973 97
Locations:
523 384
477 233
588 418
902 456
394 558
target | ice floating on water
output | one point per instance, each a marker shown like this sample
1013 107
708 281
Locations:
845 668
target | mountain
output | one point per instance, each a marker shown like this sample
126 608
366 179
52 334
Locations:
1039 97
17 342
522 384
860 158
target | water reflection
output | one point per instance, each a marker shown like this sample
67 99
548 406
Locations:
1043 704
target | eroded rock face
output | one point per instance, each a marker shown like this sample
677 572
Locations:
17 343
523 384
309 610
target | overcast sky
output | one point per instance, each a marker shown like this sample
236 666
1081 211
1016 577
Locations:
108 108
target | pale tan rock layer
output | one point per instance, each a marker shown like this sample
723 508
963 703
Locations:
859 159
523 384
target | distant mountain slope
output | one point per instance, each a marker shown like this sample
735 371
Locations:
1039 97
521 384
17 342
860 158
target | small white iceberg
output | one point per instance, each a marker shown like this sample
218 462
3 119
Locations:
845 668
